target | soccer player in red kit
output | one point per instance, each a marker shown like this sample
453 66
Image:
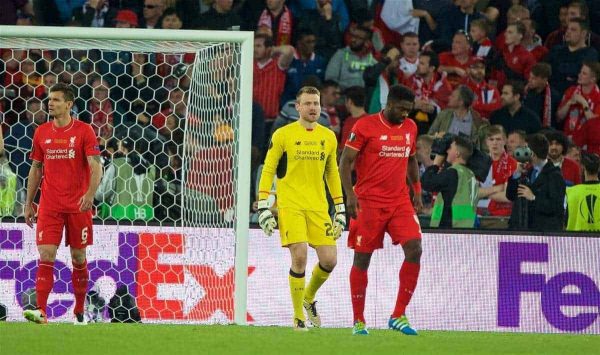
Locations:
382 147
66 159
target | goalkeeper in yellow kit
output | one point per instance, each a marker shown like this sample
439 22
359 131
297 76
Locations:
303 155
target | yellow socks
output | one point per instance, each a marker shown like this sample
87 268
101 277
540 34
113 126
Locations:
319 276
297 283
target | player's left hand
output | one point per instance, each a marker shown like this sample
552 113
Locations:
339 220
86 202
418 203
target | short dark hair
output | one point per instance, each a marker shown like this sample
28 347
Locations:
400 92
434 60
542 70
559 137
268 40
583 23
465 146
521 133
538 143
483 24
366 30
409 34
594 67
466 95
518 87
311 90
357 95
66 89
584 10
590 162
303 32
329 83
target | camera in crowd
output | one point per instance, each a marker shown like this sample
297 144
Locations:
522 154
479 163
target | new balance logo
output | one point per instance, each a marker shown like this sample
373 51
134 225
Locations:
48 141
383 138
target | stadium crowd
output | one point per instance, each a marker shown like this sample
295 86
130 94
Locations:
500 73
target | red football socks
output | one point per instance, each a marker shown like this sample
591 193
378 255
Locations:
79 278
409 274
358 290
43 283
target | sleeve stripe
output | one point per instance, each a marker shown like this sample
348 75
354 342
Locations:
349 146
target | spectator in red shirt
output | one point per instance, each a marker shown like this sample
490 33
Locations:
516 61
532 42
432 90
176 105
487 96
581 102
456 62
570 170
503 166
556 37
588 136
516 13
270 65
355 106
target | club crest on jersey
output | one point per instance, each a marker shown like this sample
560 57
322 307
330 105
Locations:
352 137
408 138
72 141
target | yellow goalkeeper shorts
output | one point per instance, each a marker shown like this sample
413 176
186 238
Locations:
312 227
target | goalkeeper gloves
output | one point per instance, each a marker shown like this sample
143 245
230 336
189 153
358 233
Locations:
266 220
339 220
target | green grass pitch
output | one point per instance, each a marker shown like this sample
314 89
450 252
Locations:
109 339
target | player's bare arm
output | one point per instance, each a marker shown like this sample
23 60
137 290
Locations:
87 200
346 162
33 183
413 178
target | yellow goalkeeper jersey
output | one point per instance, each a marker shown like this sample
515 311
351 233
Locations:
303 160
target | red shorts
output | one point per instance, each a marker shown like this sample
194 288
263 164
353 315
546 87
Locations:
78 226
368 229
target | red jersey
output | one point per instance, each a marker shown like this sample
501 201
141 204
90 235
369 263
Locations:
576 115
382 160
487 98
588 137
570 171
449 60
64 152
519 60
502 169
347 127
269 81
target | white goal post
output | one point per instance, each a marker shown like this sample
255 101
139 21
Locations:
208 48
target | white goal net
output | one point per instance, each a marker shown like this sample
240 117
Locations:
171 110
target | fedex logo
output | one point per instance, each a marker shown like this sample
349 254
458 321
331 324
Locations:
167 282
555 291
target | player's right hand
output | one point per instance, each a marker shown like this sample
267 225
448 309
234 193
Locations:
351 205
29 215
266 220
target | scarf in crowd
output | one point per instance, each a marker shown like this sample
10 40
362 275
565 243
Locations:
424 90
284 31
547 114
484 48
